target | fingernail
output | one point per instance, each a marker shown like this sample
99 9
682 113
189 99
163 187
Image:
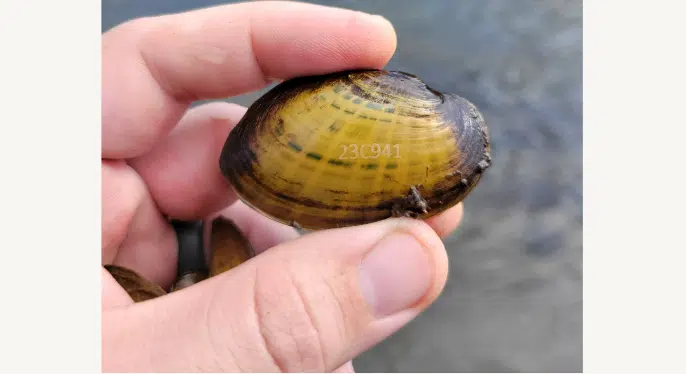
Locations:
395 274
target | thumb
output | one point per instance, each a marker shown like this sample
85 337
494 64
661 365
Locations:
310 304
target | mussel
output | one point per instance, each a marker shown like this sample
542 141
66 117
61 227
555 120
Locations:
336 150
354 147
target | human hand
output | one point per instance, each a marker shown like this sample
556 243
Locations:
308 303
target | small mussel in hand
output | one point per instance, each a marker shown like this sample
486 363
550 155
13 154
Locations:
355 147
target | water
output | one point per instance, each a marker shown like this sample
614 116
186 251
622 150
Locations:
514 297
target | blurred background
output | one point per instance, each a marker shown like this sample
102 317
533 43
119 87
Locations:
513 302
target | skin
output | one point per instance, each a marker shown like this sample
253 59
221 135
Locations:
303 303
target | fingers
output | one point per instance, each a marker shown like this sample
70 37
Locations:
153 68
346 368
122 192
310 304
113 295
182 171
134 234
262 232
447 222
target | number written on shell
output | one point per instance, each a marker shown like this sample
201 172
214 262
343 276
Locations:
375 150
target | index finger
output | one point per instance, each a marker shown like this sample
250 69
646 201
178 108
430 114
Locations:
154 68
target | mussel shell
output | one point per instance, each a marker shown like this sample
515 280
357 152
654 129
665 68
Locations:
229 245
355 147
138 288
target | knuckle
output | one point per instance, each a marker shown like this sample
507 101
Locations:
122 194
288 322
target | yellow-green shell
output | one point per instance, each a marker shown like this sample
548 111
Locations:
355 147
